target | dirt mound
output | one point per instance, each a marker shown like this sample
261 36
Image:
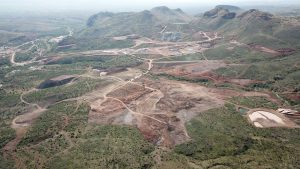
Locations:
269 118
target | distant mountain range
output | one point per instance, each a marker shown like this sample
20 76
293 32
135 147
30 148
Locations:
229 7
146 23
252 26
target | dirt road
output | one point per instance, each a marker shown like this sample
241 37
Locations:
144 106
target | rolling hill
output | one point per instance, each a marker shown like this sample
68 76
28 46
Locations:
102 27
229 7
253 26
147 23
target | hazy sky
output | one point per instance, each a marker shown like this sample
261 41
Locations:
124 5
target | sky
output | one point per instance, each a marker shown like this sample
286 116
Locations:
125 5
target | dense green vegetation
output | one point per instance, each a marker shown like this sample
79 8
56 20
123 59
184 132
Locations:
223 138
29 54
253 26
108 147
7 134
8 163
21 57
8 99
94 44
98 62
91 145
53 121
4 62
278 74
10 106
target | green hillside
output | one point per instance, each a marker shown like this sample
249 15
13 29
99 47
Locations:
252 26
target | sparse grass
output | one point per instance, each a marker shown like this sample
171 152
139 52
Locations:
60 93
254 102
189 57
232 71
26 79
280 74
236 55
171 77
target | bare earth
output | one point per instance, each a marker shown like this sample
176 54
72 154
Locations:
264 118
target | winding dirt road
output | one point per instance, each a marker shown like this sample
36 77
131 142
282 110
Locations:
22 122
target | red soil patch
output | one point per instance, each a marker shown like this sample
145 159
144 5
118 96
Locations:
168 134
220 79
293 97
286 51
264 49
159 114
106 112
